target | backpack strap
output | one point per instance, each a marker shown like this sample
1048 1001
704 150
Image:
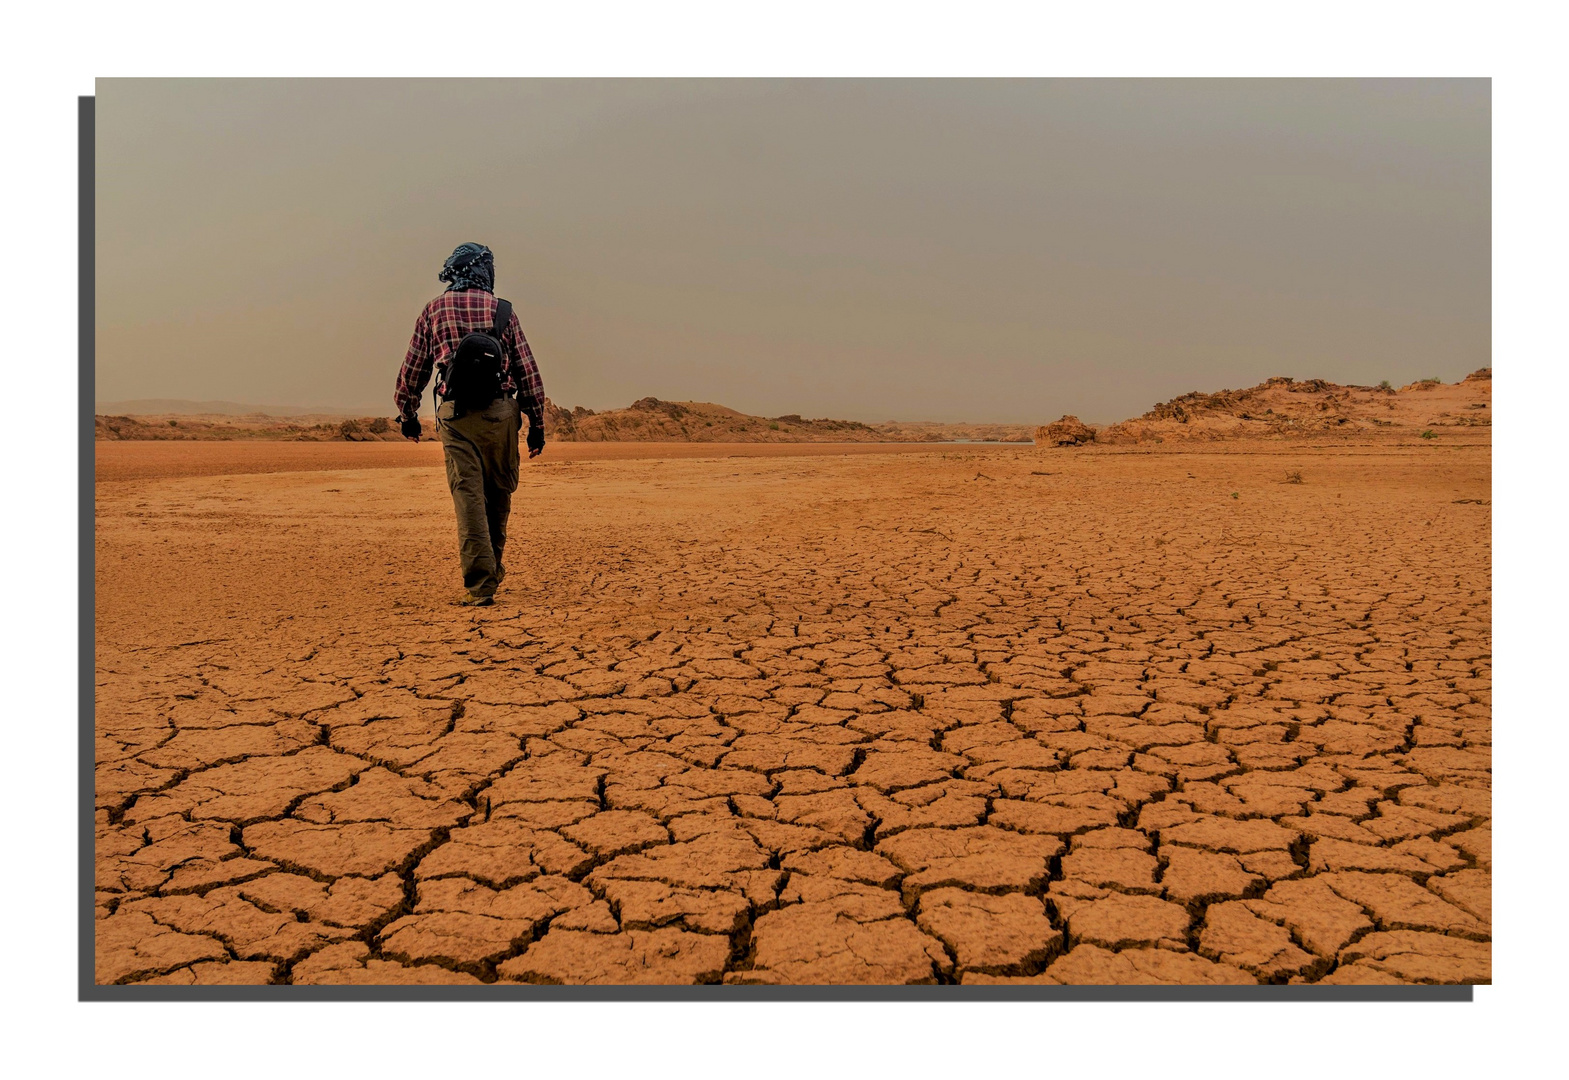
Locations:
498 329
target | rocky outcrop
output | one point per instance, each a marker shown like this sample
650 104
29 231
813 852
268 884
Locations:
1287 408
1069 431
371 429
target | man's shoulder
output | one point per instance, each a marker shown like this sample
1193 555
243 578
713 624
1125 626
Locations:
460 300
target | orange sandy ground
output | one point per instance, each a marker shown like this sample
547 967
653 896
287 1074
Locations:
802 714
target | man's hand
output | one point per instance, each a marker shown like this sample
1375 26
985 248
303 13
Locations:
536 439
411 427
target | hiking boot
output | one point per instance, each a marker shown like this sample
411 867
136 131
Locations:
470 600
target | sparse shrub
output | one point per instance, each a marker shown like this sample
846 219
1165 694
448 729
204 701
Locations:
1236 495
174 423
1385 385
380 426
1428 434
1293 478
1432 381
773 427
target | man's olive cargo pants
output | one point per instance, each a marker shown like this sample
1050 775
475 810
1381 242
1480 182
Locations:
482 470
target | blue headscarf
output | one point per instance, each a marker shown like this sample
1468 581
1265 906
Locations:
471 266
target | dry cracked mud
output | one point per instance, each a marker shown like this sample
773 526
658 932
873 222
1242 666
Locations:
972 715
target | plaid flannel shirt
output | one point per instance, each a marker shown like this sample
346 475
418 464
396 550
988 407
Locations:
437 332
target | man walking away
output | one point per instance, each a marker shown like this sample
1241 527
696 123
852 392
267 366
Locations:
486 379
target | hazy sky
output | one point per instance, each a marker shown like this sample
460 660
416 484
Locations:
1003 250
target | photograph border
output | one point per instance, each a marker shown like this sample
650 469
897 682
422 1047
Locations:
89 990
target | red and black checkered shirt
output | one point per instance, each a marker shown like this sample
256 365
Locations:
437 331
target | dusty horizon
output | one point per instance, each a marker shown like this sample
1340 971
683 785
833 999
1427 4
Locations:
1000 251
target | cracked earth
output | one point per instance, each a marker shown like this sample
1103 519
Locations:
963 715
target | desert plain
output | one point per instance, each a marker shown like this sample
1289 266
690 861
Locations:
1202 712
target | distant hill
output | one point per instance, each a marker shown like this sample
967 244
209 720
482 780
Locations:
646 420
1285 408
653 420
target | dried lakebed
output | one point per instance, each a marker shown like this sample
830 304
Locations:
969 715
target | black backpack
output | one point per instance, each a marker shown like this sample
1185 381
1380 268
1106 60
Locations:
473 377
